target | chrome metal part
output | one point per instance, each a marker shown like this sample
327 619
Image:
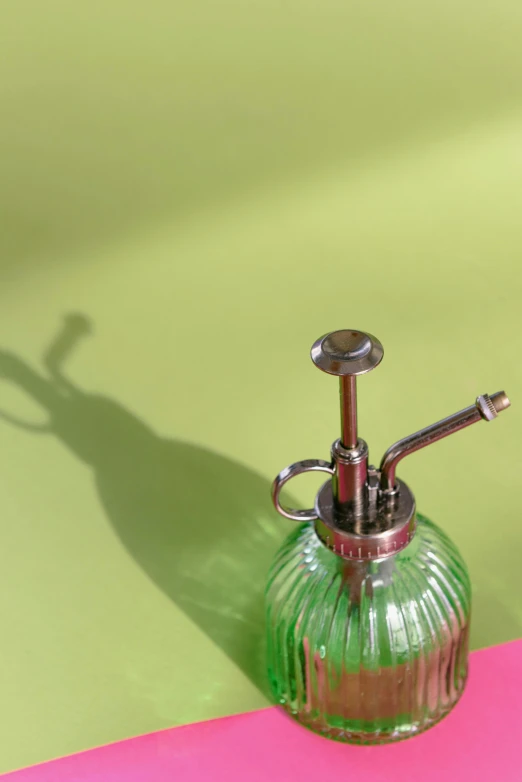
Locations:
307 465
348 353
363 513
485 408
386 527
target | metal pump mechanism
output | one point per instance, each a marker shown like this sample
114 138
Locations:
363 513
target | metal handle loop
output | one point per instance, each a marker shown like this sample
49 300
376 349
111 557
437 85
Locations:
307 465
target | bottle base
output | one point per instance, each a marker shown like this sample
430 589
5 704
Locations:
358 735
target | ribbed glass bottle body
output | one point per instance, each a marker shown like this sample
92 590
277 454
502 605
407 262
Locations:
368 652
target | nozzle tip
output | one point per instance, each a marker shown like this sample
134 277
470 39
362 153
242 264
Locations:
500 401
490 406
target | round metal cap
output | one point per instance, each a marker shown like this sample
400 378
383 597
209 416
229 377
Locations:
383 528
347 352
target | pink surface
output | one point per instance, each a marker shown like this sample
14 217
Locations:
478 741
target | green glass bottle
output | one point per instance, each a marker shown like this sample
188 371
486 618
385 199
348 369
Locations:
368 602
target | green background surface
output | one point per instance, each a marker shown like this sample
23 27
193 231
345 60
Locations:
214 185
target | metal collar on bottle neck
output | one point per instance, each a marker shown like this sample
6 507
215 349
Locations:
363 513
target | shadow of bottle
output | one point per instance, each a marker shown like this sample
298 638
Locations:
199 524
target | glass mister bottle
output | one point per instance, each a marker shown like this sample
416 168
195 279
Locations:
368 602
